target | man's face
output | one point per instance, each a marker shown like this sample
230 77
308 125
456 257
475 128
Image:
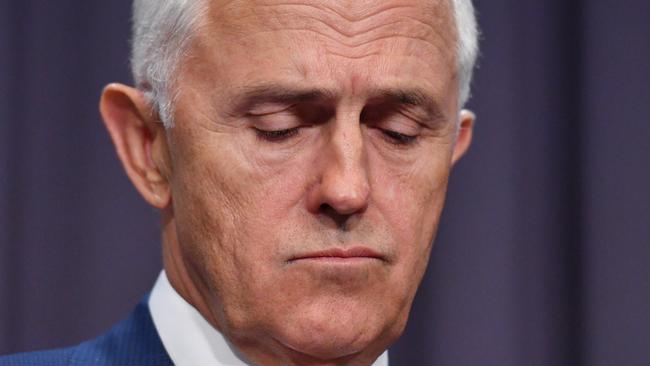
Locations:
309 163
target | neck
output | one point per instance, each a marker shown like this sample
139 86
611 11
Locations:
180 277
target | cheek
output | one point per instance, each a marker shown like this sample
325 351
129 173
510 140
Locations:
212 195
235 213
410 198
226 187
412 195
209 214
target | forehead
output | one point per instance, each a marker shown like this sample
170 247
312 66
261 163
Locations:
340 19
353 42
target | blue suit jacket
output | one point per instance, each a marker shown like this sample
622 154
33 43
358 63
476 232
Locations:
133 342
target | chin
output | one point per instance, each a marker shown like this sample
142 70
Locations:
330 335
326 345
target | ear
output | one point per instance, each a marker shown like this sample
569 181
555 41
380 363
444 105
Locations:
464 136
140 141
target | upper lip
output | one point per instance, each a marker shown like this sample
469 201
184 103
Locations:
351 252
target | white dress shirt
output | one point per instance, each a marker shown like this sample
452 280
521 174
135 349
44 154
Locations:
188 338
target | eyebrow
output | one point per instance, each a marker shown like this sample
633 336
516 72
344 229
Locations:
251 96
413 97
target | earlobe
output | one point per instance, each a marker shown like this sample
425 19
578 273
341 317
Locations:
137 138
464 136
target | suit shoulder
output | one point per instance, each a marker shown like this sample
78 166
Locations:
133 342
57 357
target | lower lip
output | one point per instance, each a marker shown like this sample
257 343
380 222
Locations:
336 260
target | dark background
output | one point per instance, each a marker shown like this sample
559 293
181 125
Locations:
543 257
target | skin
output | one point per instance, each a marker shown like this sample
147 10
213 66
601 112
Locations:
300 127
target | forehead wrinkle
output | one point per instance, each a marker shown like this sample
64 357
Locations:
283 15
391 33
337 30
367 14
364 42
365 10
346 26
349 28
430 22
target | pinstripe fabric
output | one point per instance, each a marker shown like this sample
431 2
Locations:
133 342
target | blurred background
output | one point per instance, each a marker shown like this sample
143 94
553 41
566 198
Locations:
543 256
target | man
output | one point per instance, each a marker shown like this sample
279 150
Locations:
299 154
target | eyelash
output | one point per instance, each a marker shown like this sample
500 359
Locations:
276 135
397 138
392 137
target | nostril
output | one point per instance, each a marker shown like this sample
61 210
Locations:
338 218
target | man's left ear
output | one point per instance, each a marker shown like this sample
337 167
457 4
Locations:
464 136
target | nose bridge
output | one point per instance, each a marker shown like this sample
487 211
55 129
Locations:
346 142
345 178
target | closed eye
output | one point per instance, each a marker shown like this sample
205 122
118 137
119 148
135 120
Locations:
398 138
276 135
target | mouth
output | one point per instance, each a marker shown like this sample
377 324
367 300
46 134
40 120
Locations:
340 255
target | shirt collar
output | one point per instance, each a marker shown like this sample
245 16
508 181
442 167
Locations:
188 338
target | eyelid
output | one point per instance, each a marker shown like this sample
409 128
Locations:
403 126
266 110
282 120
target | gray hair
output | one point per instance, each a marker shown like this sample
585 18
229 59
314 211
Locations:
467 46
163 30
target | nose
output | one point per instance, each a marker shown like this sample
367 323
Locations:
342 189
